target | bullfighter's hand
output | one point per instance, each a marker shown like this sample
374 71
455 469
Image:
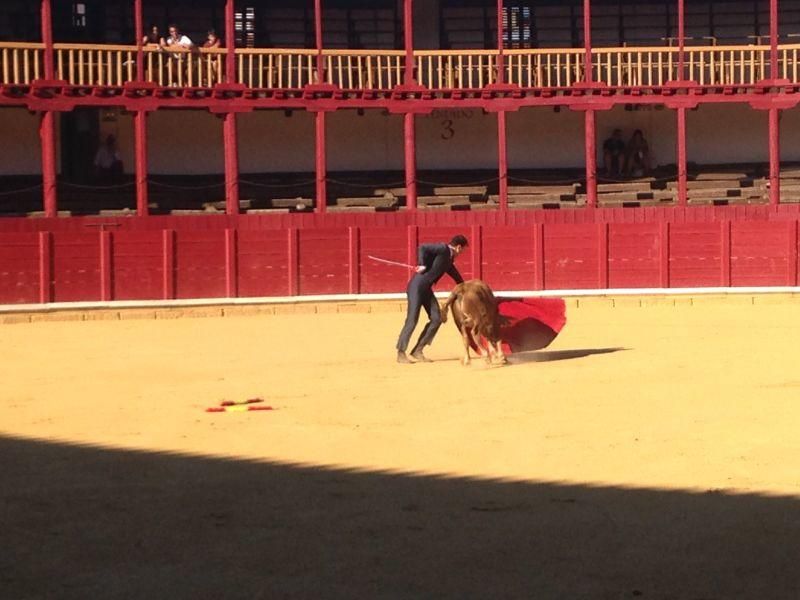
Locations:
420 269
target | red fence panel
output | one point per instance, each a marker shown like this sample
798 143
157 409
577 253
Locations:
510 257
695 255
137 259
323 261
19 268
262 263
572 256
76 266
760 254
200 264
388 243
633 255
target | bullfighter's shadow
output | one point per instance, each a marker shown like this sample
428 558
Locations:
554 355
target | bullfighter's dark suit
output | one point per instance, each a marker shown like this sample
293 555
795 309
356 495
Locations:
437 260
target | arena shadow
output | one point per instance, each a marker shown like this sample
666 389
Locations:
553 355
82 522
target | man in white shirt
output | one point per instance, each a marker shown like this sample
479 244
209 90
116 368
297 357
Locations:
176 40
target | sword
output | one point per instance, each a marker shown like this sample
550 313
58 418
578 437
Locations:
391 262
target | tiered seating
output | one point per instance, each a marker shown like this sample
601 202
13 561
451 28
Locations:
722 187
540 196
638 192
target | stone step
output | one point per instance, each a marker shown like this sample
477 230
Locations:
699 185
397 192
443 200
296 203
602 201
40 213
478 190
335 208
514 190
267 211
534 198
627 186
720 176
367 201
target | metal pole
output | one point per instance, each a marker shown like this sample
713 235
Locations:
321 164
410 146
140 142
231 164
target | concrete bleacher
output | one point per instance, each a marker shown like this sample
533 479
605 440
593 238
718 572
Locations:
371 192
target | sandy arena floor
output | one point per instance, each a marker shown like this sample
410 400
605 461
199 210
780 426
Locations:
649 452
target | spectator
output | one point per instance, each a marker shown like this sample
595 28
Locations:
107 161
212 41
614 154
177 39
153 37
637 155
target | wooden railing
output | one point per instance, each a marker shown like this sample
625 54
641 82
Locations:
364 69
21 63
112 65
275 68
544 68
464 69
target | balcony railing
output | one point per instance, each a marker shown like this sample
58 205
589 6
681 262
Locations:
269 68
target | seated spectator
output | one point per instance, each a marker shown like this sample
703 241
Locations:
637 155
107 161
614 154
153 37
212 41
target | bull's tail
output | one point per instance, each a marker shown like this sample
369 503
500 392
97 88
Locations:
449 302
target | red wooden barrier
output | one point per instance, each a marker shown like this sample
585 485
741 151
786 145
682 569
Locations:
63 260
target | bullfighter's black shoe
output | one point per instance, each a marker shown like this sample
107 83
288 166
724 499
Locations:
418 356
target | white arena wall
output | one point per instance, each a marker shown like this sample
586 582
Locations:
190 142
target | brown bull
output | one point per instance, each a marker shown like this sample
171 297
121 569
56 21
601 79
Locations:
475 314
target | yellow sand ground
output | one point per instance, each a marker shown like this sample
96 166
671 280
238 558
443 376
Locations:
668 427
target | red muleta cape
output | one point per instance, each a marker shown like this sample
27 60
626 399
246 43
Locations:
530 323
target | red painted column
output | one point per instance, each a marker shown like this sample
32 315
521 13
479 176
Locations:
231 164
588 76
410 152
408 38
681 40
501 76
681 158
318 38
591 158
502 156
139 28
47 39
47 135
773 40
321 164
140 148
230 42
774 157
47 130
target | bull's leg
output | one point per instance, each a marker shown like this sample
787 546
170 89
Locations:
465 337
500 356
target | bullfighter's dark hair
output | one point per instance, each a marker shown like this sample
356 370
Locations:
459 240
